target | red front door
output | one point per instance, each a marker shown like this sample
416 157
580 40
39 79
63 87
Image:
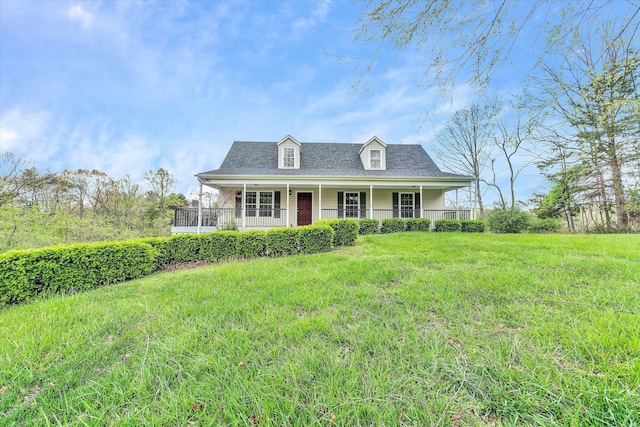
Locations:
305 206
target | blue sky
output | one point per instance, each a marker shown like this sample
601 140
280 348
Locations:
125 87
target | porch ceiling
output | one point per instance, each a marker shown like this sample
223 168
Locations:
439 183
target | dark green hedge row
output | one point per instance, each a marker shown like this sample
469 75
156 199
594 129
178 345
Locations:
224 245
448 225
397 225
467 225
27 274
473 226
418 224
368 226
345 230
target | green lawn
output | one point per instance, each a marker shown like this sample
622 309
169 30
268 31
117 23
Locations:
412 329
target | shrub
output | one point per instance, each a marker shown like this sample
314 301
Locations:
346 230
473 226
369 226
252 244
316 239
443 225
418 224
218 245
508 220
546 225
27 274
185 247
393 225
164 248
283 241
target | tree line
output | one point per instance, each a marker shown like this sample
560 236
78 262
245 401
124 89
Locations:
44 208
577 118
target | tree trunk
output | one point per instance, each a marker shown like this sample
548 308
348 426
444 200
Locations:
622 217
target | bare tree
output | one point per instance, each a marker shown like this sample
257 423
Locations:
511 139
11 169
475 37
465 144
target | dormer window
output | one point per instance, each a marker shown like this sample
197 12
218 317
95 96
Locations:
288 153
288 157
373 155
375 159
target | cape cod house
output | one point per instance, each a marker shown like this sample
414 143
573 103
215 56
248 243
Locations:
288 183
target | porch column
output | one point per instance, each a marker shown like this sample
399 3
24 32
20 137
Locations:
475 198
371 201
320 201
199 208
421 203
244 205
288 219
457 206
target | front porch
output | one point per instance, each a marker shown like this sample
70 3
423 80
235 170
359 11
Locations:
186 219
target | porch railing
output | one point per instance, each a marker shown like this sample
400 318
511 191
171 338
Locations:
221 218
228 217
381 214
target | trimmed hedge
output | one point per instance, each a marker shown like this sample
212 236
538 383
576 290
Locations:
346 230
443 225
252 244
473 226
164 249
316 239
27 274
218 246
283 241
418 224
368 226
393 225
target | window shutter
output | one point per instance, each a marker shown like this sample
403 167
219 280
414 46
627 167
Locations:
396 205
340 204
276 204
417 206
363 204
238 204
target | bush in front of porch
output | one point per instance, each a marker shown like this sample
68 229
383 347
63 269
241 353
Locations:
418 224
448 225
368 226
393 225
346 230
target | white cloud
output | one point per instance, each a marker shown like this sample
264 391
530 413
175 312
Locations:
77 13
7 138
23 132
318 15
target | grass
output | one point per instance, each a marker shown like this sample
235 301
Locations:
404 329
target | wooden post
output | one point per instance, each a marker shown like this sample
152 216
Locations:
199 208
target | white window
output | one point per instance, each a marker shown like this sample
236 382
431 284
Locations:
266 203
406 205
260 202
375 161
288 157
351 205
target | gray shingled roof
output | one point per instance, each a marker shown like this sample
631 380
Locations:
327 159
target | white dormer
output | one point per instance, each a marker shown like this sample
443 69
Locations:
374 154
288 153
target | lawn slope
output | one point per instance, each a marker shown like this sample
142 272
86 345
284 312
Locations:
405 329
